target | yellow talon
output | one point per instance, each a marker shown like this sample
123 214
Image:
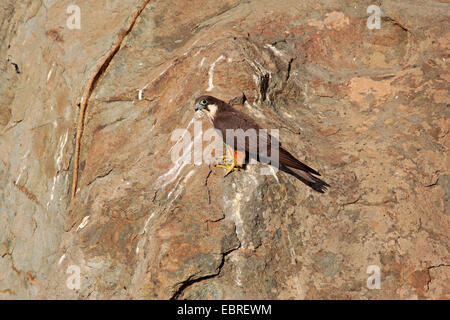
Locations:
230 167
226 158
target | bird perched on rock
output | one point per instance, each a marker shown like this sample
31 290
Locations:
224 117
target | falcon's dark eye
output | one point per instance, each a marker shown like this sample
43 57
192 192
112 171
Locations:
203 102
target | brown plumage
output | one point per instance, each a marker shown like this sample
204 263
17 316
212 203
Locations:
223 117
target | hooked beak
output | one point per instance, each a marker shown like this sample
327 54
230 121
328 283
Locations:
198 106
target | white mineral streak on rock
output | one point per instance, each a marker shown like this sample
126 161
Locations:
147 221
272 169
211 72
59 153
291 250
49 74
62 258
275 51
236 259
141 91
83 223
180 162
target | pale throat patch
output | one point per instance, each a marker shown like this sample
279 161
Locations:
212 111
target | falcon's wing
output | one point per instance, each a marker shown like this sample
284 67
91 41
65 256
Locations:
235 120
289 160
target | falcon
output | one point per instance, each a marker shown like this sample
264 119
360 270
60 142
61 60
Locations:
224 117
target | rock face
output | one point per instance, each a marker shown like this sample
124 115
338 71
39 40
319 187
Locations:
88 185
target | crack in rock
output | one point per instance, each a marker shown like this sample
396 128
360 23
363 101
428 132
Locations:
189 282
90 88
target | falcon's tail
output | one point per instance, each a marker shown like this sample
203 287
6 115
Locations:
307 178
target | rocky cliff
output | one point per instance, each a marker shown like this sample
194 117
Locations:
90 96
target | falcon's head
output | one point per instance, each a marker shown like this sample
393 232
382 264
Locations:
209 105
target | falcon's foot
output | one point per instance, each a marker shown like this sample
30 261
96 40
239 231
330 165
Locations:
230 167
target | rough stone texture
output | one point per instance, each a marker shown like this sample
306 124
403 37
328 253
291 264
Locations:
96 108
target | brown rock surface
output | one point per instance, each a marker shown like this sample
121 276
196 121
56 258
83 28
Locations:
91 112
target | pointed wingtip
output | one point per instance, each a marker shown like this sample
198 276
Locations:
312 181
320 186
